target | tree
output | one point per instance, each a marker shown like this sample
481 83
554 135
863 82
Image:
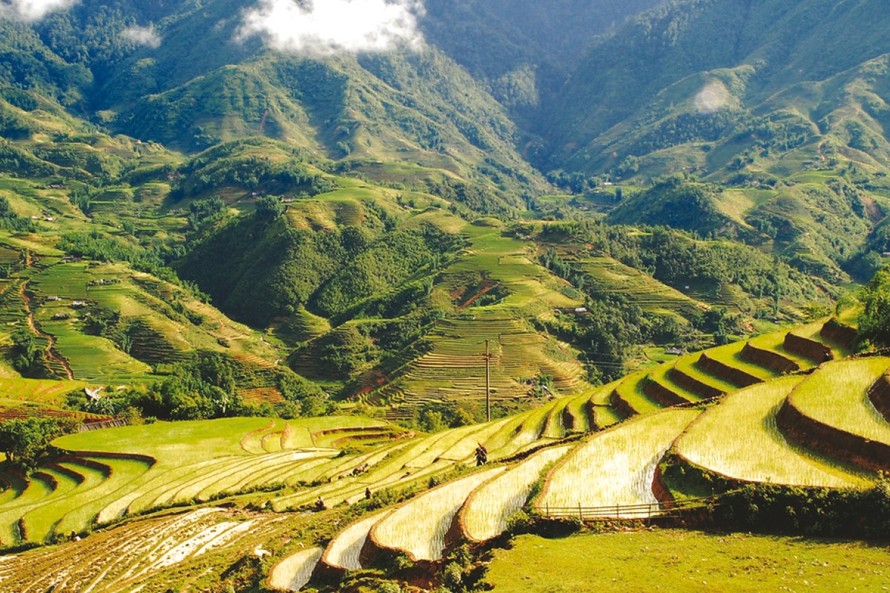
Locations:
27 441
26 353
269 208
874 321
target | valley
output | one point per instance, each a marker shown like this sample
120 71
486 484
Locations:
416 296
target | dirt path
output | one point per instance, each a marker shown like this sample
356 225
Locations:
50 351
488 285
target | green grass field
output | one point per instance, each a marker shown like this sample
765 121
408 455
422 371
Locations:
670 561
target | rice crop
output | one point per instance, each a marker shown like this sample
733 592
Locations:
740 439
615 467
345 549
837 395
293 572
418 528
485 514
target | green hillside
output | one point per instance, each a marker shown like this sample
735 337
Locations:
793 142
351 295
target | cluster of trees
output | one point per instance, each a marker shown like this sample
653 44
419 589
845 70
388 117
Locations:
434 417
99 246
19 162
207 386
27 354
874 321
11 221
474 196
676 203
385 344
26 441
685 128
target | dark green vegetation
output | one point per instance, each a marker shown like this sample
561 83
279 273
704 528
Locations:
26 442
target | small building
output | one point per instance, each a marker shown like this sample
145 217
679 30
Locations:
94 394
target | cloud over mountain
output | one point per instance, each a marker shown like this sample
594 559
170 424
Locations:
331 26
32 10
146 36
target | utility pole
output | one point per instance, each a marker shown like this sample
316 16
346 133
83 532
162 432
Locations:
487 383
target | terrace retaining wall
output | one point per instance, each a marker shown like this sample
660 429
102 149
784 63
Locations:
879 394
810 349
660 489
692 384
831 441
568 420
590 410
662 394
769 360
79 455
839 333
623 408
728 373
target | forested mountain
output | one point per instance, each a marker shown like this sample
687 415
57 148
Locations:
371 197
732 76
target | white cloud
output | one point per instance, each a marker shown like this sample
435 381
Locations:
714 97
32 10
146 36
330 26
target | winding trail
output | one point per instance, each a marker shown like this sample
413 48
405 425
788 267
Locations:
50 351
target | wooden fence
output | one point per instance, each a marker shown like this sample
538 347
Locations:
630 511
113 423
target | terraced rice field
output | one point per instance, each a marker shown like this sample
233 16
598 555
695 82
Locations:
398 465
454 367
611 276
715 372
38 390
774 343
418 527
730 356
179 462
838 397
292 573
93 358
486 512
159 333
615 467
739 439
629 394
129 557
831 411
344 551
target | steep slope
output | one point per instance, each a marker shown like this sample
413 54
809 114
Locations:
746 96
706 70
526 54
191 75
